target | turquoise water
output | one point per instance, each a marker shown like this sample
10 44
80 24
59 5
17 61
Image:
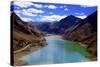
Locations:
57 51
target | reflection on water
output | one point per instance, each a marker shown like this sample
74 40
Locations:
57 51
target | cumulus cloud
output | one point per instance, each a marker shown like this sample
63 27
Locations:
38 5
66 9
23 3
52 18
50 6
26 4
32 10
29 12
24 12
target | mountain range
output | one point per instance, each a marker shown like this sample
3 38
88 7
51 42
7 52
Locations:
57 27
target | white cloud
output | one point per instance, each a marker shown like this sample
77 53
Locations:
38 5
32 10
82 17
50 6
23 3
26 19
52 18
66 9
29 12
27 4
80 2
24 12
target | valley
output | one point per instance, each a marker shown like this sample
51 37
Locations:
70 40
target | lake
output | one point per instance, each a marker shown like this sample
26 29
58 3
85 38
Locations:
58 50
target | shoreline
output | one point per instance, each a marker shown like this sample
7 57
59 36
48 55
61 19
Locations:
17 56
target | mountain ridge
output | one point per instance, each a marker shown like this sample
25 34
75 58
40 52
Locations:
84 32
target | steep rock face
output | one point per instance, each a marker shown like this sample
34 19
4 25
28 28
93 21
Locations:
24 35
85 32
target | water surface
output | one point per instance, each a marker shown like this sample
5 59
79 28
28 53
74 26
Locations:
57 51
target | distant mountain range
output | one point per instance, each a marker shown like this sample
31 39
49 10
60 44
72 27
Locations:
57 27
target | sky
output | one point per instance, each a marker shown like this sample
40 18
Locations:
49 12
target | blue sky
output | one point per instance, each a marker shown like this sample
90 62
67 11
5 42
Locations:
49 12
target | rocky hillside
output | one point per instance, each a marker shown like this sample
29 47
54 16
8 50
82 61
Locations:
67 22
24 35
85 32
